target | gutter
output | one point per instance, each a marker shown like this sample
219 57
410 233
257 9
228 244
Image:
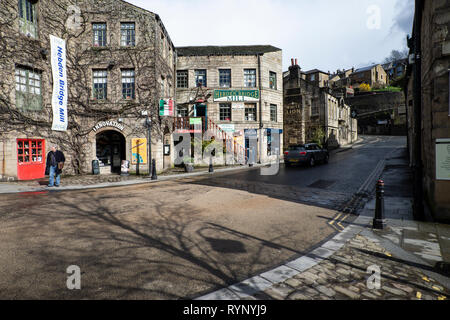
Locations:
261 125
417 71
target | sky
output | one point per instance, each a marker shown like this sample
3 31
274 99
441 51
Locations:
322 34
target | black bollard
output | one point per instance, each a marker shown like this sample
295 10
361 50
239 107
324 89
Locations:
211 168
154 176
379 222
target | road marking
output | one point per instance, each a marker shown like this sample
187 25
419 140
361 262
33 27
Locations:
436 288
442 298
342 220
419 295
334 220
425 279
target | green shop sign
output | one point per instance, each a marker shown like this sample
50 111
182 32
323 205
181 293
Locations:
236 95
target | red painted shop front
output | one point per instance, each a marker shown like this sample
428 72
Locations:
30 159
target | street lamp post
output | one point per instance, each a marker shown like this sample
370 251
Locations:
148 122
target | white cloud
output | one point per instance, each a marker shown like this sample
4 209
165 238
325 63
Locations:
323 34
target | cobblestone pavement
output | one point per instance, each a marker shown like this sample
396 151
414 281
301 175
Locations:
344 276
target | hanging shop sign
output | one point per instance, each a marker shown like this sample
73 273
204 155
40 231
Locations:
194 121
139 151
112 124
236 95
227 127
443 159
59 98
166 107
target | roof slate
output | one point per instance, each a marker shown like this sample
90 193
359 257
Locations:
225 50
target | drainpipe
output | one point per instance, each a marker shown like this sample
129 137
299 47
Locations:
417 70
261 125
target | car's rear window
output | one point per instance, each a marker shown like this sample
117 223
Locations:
296 148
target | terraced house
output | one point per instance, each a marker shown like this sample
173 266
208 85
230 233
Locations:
88 76
237 93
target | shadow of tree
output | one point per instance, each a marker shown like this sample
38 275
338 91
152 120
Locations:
151 248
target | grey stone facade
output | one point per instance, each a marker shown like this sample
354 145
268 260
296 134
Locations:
311 110
264 61
25 45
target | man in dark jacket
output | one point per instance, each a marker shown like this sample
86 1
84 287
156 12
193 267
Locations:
54 165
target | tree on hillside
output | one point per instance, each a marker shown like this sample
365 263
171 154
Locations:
397 55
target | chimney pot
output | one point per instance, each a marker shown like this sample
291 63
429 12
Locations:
296 63
292 61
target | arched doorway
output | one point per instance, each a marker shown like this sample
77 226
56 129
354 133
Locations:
110 149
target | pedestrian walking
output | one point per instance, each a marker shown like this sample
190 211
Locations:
54 166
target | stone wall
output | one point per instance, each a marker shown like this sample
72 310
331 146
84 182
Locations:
152 58
435 101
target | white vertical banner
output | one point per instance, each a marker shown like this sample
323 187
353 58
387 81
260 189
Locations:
60 92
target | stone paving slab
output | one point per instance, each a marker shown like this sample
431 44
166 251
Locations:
344 276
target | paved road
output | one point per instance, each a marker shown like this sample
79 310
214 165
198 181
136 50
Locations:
345 172
176 239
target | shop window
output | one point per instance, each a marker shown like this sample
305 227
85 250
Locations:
100 84
28 89
273 80
250 112
225 78
200 78
182 111
182 79
30 151
28 18
99 31
225 111
250 78
128 84
128 34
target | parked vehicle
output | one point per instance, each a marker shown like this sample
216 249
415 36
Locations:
310 153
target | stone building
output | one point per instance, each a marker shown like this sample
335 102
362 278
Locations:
428 106
237 91
119 63
372 75
311 113
396 69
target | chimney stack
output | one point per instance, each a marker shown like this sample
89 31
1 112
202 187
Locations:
296 63
292 61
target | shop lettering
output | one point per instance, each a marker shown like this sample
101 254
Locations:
112 124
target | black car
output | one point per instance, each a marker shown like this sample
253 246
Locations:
309 153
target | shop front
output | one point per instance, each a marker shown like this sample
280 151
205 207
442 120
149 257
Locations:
30 159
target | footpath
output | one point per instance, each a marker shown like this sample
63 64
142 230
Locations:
408 260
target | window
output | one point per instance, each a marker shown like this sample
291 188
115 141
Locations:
225 111
182 79
100 84
273 112
225 78
162 46
273 80
200 78
162 94
313 77
28 89
128 84
30 151
315 108
250 112
182 111
99 31
127 34
250 78
27 18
